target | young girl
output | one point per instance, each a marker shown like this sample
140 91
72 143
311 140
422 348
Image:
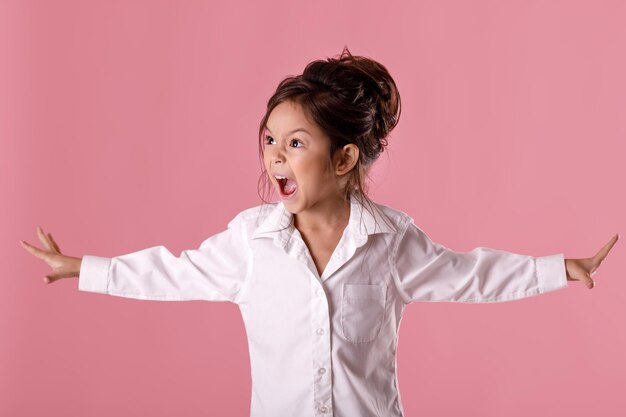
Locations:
323 275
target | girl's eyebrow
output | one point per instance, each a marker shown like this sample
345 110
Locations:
300 129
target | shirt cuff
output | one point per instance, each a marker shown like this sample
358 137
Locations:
94 274
551 272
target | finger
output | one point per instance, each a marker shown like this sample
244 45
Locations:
54 243
587 280
35 251
49 279
44 239
605 250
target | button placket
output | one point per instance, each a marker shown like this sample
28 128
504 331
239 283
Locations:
321 347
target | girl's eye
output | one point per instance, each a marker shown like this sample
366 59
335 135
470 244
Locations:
268 140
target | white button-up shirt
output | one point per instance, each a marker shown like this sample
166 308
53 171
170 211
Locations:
323 345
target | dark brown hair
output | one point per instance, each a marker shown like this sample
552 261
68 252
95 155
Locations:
353 99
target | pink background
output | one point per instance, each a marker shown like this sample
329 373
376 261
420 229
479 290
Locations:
126 125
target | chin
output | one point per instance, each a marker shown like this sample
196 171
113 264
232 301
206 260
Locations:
294 207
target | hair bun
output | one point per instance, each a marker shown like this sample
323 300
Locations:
378 90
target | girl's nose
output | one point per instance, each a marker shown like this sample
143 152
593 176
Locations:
277 157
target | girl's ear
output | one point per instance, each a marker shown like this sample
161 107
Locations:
346 158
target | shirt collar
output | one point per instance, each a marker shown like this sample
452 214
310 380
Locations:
363 221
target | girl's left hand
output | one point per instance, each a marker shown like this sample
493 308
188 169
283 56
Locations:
584 269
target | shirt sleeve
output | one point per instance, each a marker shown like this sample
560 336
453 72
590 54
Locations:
216 271
427 271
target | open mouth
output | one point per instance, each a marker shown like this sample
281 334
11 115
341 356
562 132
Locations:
286 185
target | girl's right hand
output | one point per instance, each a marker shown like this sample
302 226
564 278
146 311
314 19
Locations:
62 266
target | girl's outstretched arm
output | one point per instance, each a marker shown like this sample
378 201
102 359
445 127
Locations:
216 271
424 270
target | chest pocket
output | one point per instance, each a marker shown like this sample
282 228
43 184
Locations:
362 311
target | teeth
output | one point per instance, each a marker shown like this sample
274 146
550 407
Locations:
278 177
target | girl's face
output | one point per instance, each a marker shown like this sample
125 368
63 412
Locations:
297 149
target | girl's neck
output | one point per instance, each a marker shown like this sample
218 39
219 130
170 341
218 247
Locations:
330 215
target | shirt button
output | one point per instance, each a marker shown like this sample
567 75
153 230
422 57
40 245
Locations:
321 370
319 293
323 409
320 331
